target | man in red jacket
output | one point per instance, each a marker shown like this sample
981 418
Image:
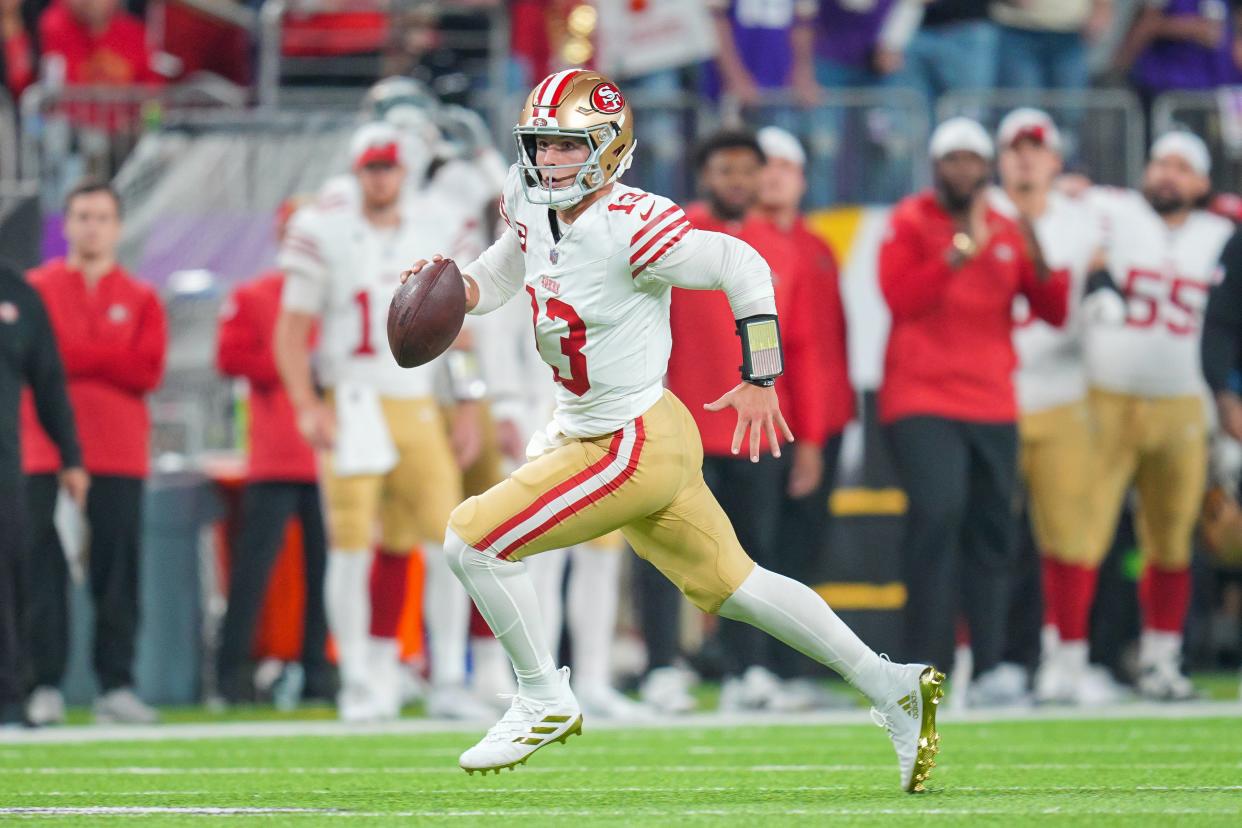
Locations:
950 268
282 480
111 333
705 354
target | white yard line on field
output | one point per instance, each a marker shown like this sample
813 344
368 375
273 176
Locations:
268 730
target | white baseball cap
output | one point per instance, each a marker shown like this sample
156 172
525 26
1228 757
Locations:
1032 124
1186 146
779 143
378 142
961 134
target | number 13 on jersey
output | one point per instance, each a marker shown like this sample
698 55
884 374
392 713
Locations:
578 381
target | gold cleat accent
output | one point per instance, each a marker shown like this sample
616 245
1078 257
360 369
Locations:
931 688
574 730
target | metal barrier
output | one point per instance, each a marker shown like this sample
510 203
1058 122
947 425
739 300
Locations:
1213 117
1102 128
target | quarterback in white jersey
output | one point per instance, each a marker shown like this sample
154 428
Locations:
1147 386
385 452
598 260
1054 427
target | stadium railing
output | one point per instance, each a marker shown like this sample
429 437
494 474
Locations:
1216 117
1103 129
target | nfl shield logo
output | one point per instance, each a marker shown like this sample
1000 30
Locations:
554 255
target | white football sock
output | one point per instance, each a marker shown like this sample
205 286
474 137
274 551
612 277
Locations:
1158 648
795 614
547 571
505 596
594 580
347 601
384 661
446 609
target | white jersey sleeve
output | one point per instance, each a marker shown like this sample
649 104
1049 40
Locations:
303 258
703 260
500 271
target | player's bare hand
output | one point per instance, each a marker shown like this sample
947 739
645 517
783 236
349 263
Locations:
317 423
467 433
76 483
417 266
758 412
509 436
1229 407
808 469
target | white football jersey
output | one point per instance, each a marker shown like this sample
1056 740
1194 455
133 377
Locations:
1051 364
344 270
1165 273
599 296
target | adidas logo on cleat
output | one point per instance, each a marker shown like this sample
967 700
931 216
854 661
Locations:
910 704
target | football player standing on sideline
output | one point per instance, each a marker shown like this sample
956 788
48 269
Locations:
112 336
1147 388
1054 429
950 268
385 449
28 357
598 260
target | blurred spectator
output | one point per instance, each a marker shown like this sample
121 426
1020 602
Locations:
816 396
204 42
19 60
1179 44
950 269
111 333
94 42
1042 44
704 358
763 47
954 48
281 483
1222 338
859 42
27 357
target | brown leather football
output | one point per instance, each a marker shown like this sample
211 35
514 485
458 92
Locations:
426 314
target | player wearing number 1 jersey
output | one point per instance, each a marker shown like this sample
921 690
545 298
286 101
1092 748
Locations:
597 261
384 451
1147 389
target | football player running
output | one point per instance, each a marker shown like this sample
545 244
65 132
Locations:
1054 428
598 260
384 446
1147 393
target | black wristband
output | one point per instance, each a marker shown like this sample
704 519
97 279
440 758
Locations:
762 358
1100 279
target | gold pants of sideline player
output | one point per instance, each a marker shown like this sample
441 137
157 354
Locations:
1055 459
1159 445
413 500
645 479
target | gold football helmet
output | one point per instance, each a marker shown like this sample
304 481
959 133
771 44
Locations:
579 103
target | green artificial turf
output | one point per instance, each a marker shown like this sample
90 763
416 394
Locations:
1091 772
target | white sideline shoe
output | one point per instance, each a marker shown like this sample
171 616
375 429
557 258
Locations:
524 729
46 706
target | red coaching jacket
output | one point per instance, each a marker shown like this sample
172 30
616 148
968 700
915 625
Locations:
706 350
244 349
112 341
950 350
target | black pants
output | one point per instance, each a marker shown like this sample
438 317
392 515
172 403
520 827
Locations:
803 534
751 494
265 511
958 551
13 661
114 514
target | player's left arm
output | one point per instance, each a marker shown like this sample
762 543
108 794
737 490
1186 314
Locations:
702 260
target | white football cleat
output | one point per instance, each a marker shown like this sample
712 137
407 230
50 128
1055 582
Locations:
667 690
1002 686
46 706
356 704
524 729
457 703
607 703
909 716
1165 682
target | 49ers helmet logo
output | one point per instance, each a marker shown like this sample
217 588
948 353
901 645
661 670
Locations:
607 98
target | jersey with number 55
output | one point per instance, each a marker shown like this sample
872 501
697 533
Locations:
599 292
342 269
1165 273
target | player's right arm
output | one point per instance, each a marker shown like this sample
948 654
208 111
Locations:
302 302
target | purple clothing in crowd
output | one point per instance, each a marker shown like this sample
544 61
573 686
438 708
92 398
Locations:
1180 64
849 37
763 39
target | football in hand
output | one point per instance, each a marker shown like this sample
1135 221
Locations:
426 314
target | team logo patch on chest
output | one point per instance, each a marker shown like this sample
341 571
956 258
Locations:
9 313
550 285
117 314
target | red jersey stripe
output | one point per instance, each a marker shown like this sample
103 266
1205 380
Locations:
654 223
686 227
